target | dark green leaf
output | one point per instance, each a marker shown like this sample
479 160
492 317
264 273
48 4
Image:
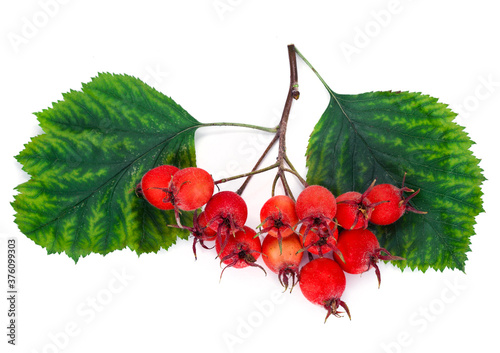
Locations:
97 145
382 135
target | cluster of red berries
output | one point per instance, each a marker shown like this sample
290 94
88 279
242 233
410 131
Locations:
290 229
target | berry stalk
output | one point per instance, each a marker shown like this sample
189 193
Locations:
249 174
249 126
266 151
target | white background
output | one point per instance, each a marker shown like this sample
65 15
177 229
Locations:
227 61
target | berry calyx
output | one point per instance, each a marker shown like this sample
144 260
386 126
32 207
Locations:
226 213
226 207
239 251
322 282
321 239
278 217
361 251
284 260
199 231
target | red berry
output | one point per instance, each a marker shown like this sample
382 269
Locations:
353 211
391 203
358 247
316 201
226 213
322 282
156 186
226 208
361 251
391 209
285 260
240 250
193 188
208 233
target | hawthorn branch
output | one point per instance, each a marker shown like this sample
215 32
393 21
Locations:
293 94
283 164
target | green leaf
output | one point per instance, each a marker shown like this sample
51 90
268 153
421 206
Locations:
382 135
84 169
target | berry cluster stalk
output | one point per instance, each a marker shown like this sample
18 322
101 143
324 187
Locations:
293 93
283 163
